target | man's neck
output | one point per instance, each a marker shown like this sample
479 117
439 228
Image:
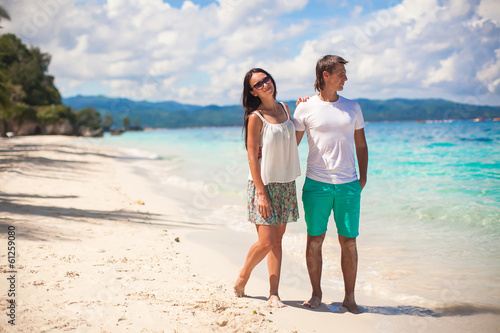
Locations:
328 96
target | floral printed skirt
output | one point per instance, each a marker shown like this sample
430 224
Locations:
283 197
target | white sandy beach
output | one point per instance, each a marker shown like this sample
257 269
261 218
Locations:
99 251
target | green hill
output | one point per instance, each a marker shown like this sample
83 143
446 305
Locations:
423 109
176 115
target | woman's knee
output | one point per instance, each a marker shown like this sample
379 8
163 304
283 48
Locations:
271 237
268 241
267 244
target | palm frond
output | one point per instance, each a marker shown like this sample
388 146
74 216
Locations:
4 14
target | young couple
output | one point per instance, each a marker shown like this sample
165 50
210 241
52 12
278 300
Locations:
334 126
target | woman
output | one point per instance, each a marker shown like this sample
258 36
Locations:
272 199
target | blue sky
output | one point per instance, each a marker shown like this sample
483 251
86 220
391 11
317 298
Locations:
197 52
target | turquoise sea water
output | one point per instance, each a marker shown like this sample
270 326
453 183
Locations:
430 225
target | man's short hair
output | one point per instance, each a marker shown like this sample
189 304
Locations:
326 63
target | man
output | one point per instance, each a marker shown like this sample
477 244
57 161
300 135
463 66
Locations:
333 125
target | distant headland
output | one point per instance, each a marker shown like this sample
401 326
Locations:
176 115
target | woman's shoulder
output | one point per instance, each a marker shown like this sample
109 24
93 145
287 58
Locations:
287 109
255 113
256 116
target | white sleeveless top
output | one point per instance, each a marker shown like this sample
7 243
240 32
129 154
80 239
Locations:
280 158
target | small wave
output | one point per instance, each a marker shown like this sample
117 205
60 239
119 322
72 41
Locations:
134 153
441 144
195 186
233 216
477 139
494 166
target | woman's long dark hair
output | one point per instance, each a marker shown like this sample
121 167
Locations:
250 102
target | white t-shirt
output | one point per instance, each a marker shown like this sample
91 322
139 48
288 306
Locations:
330 130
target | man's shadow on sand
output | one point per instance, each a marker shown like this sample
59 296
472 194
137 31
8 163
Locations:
456 309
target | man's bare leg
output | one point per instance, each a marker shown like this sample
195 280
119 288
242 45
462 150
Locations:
257 252
274 267
349 263
314 260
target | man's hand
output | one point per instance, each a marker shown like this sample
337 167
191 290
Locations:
300 100
362 182
362 155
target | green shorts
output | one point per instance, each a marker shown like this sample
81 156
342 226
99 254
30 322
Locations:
321 198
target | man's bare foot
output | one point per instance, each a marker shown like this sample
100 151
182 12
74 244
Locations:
275 301
351 306
313 303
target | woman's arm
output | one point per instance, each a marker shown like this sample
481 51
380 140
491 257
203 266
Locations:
253 145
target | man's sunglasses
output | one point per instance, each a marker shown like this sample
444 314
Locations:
259 85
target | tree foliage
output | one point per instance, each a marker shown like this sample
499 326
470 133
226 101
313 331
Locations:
26 90
52 114
126 122
27 68
4 14
108 122
88 117
4 92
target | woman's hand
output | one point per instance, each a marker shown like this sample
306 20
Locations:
264 205
300 100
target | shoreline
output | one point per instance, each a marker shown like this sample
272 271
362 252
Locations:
98 250
149 129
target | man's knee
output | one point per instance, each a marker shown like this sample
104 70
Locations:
346 242
314 243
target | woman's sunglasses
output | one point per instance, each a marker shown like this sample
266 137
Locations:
259 85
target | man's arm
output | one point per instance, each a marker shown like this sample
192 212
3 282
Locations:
362 155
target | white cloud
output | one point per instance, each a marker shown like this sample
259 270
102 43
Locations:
490 9
489 76
418 49
199 54
356 11
445 72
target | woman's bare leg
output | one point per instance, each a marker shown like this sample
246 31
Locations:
274 267
258 251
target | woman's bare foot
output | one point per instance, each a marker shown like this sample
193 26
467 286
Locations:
313 303
239 287
239 291
275 301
